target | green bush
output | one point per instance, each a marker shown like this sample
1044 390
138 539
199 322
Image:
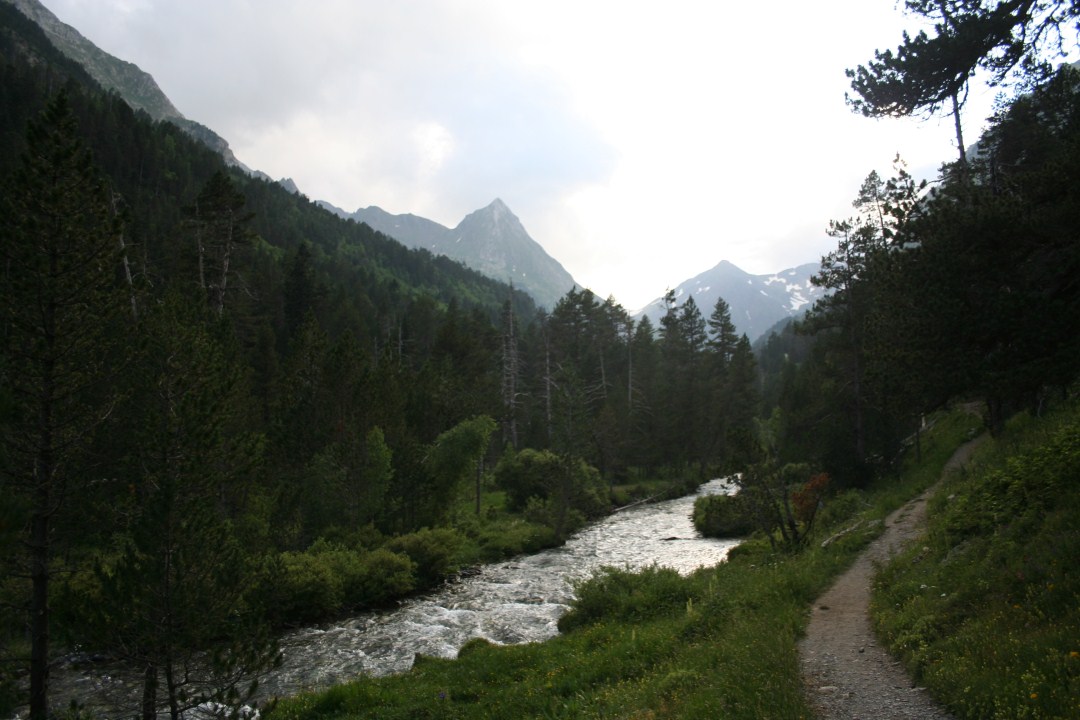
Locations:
328 580
543 474
722 516
433 552
561 519
513 537
614 595
308 588
383 576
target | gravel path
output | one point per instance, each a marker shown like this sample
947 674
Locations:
846 673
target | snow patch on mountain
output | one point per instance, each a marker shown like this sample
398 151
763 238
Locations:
756 302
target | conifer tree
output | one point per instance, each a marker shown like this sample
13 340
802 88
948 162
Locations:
930 70
62 309
176 598
221 229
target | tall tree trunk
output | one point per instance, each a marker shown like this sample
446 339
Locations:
39 621
149 697
959 134
44 473
127 265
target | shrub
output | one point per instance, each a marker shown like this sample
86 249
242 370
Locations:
514 537
383 576
309 589
722 516
327 580
526 474
543 474
615 595
432 551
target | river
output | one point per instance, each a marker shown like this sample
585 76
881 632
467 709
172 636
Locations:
517 601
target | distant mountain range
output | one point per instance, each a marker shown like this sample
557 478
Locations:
756 302
491 240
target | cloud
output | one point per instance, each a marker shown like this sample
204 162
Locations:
640 144
390 103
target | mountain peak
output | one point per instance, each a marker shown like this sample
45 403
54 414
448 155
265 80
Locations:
494 223
491 240
756 302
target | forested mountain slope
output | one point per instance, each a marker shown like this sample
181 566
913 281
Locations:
158 170
137 87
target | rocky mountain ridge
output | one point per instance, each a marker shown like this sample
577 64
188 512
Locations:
491 240
136 86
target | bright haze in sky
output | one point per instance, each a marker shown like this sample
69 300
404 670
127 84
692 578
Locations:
639 143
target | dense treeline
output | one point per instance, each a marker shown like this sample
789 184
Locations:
225 410
963 289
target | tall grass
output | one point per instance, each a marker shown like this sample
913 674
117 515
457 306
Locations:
720 643
986 612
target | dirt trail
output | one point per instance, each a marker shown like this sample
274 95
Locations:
847 675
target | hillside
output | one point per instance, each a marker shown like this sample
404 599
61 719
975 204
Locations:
173 168
137 87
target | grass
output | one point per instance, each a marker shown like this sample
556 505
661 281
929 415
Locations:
719 643
986 613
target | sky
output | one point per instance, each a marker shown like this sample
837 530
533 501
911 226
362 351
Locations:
639 143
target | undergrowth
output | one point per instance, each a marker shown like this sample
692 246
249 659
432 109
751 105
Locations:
719 643
986 612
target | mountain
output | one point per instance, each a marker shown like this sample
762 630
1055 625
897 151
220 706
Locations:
137 87
491 240
158 169
757 302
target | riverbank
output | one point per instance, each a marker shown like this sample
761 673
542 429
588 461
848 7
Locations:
516 601
718 643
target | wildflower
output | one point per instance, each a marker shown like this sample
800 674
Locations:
1034 696
1074 654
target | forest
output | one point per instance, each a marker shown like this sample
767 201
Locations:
225 411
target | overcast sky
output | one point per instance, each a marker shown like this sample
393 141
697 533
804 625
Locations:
639 143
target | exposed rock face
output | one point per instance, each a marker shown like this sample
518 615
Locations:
491 240
137 87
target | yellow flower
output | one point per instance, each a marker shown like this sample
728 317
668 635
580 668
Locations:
1074 654
1034 696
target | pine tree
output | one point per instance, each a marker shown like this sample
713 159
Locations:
62 309
511 374
220 227
177 598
